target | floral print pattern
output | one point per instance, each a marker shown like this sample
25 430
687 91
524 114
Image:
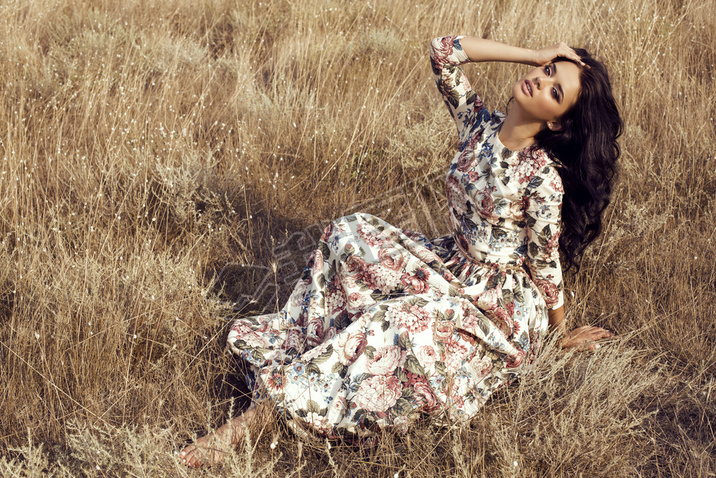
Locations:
386 325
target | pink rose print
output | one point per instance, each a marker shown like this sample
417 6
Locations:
350 346
378 393
426 355
492 305
248 335
340 403
502 320
418 282
386 359
472 324
356 301
490 299
510 308
442 49
425 396
444 331
517 360
391 258
366 277
315 331
374 276
349 281
481 366
550 291
467 158
354 264
516 210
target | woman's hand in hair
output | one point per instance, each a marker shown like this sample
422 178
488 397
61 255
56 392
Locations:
547 54
585 337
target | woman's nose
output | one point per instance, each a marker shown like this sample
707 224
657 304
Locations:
540 82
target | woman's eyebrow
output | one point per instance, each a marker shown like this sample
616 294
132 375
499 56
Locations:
559 86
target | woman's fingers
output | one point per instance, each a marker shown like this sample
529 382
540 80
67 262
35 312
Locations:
585 337
561 49
567 52
572 55
591 332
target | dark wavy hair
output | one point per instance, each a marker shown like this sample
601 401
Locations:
586 149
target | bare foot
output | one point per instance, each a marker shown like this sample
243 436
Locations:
211 448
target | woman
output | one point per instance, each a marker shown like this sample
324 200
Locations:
387 325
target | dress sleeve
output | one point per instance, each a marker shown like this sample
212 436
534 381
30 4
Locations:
543 206
466 108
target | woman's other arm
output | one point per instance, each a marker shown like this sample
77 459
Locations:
556 320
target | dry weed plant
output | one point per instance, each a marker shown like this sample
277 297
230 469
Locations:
145 145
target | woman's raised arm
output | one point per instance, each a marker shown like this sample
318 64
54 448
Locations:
481 49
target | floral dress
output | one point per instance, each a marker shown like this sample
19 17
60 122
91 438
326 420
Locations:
386 325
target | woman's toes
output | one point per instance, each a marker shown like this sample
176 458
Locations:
192 461
187 456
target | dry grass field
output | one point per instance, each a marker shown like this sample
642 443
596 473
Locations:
162 160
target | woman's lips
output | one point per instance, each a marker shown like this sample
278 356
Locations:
527 87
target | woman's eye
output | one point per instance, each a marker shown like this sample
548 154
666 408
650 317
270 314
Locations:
548 70
555 94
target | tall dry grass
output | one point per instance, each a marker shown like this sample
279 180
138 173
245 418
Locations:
146 145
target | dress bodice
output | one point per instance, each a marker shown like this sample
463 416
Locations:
504 205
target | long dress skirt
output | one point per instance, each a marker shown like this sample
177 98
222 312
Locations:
385 326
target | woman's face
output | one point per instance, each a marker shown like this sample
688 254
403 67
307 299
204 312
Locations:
547 92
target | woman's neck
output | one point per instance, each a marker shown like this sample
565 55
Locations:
517 135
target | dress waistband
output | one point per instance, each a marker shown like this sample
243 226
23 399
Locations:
469 263
462 254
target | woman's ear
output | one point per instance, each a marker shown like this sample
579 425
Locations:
554 126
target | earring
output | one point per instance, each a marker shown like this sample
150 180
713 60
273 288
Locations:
550 125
